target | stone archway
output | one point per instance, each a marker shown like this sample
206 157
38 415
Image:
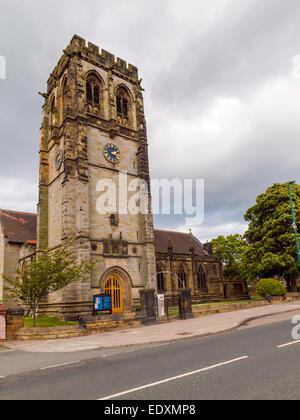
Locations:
126 285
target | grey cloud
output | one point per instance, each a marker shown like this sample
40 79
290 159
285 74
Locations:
190 55
250 42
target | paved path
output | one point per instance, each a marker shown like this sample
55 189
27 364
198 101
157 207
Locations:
156 334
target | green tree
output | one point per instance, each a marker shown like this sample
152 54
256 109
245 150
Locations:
48 272
271 249
231 249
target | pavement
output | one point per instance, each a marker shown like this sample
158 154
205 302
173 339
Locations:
158 333
252 363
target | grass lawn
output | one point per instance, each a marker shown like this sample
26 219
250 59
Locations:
46 322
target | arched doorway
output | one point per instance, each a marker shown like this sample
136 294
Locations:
113 287
117 282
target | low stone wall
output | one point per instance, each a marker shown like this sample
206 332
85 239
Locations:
14 322
50 333
106 323
87 326
204 310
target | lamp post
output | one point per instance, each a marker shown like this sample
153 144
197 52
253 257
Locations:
294 223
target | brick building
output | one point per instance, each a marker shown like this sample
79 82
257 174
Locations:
17 240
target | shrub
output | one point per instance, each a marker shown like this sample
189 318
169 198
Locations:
270 287
298 289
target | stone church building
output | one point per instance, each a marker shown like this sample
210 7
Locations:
94 128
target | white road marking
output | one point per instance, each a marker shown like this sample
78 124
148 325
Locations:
63 364
288 344
158 345
173 379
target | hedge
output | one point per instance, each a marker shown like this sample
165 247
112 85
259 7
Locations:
270 287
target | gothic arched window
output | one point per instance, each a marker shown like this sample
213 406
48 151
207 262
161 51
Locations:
123 105
93 93
202 280
52 113
183 276
161 284
64 96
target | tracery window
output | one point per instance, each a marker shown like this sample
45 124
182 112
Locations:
202 280
182 280
161 284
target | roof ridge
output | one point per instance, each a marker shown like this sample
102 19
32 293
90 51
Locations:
18 212
171 231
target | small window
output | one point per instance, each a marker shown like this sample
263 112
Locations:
238 288
114 220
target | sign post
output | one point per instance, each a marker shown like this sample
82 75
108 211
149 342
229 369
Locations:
161 306
102 303
294 223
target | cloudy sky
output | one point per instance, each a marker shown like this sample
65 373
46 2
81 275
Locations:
222 92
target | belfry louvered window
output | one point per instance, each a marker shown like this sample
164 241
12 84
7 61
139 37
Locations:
122 103
93 91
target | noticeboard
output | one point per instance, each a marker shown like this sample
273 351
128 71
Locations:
102 303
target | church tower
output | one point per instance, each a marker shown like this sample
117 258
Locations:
94 129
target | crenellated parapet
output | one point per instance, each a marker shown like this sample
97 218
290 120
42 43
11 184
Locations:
91 53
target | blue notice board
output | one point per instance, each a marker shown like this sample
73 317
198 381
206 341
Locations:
102 303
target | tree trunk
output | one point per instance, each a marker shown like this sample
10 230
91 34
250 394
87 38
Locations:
294 277
288 283
34 317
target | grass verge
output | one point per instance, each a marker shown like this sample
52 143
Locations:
46 322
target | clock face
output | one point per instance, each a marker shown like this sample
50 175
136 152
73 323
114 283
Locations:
59 159
112 153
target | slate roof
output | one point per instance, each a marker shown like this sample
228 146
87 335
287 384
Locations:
19 227
181 242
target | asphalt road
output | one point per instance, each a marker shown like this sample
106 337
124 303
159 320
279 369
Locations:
246 364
